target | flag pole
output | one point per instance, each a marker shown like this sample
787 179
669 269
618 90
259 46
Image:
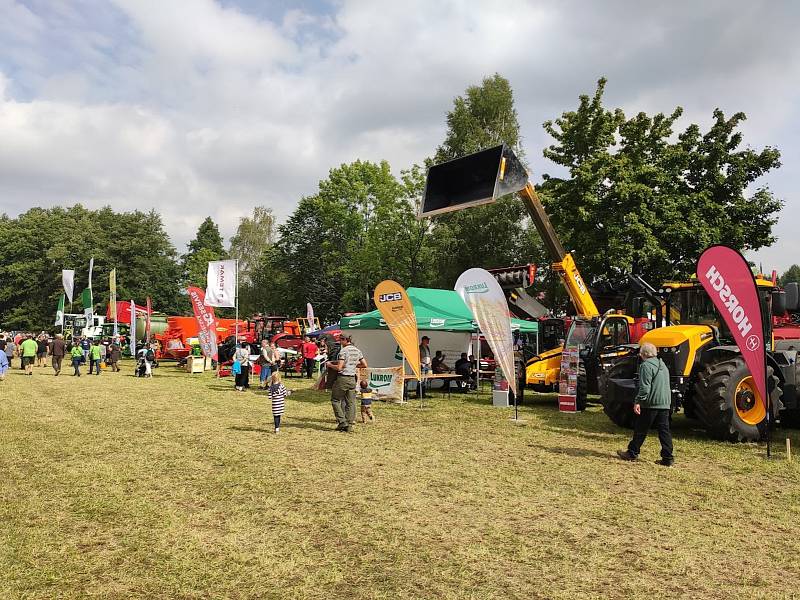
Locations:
516 407
236 320
768 401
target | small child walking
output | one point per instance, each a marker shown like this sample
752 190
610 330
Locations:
277 393
366 403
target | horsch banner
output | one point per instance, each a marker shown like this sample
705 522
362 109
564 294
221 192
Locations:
726 277
386 384
398 312
206 322
486 301
221 283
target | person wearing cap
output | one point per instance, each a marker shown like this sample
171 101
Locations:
343 394
57 350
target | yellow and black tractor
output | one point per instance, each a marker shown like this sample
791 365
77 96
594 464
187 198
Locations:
600 340
709 378
482 178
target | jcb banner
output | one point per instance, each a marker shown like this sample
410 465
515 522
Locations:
726 277
221 283
398 312
206 322
486 301
386 384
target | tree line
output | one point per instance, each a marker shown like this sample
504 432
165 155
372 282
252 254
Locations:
627 194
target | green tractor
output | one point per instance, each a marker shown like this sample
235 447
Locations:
710 380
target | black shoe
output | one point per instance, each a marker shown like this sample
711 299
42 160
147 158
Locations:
341 428
665 463
626 455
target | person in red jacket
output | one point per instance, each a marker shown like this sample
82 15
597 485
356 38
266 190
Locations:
310 352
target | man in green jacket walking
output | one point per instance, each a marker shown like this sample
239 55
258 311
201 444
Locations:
27 350
652 406
94 357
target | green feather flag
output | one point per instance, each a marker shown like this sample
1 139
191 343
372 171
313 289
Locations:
60 311
88 305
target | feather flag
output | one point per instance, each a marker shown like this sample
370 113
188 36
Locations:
60 311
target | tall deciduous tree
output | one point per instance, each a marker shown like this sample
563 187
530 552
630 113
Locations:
359 229
254 235
791 274
489 236
41 242
637 198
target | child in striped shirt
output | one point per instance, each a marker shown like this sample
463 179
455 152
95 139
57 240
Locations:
277 393
366 403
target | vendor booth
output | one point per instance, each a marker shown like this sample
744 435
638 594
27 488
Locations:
441 315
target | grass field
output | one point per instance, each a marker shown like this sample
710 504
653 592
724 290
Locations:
176 487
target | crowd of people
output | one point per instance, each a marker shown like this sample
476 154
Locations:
465 366
337 363
34 351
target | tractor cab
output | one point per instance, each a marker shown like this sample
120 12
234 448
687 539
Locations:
708 375
600 340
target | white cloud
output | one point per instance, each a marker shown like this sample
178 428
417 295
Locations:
196 108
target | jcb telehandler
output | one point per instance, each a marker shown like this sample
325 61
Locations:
485 176
709 378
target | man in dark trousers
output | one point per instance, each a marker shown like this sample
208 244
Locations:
343 394
310 352
652 407
57 350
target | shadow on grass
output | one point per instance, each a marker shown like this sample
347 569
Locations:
311 396
251 429
232 388
306 423
594 424
294 423
577 452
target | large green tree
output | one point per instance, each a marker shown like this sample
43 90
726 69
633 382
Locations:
359 229
253 238
637 197
207 237
496 235
791 274
206 246
41 242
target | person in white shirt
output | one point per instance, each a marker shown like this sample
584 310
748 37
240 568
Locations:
343 394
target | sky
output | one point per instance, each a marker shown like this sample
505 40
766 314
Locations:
203 107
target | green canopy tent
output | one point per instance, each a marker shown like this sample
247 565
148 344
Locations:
442 310
441 315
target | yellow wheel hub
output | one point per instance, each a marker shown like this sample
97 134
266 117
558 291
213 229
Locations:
748 403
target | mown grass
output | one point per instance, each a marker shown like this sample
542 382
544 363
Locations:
175 487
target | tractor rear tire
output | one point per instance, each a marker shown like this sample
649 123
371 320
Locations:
715 401
581 388
619 411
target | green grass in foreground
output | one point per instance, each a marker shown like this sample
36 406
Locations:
175 487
